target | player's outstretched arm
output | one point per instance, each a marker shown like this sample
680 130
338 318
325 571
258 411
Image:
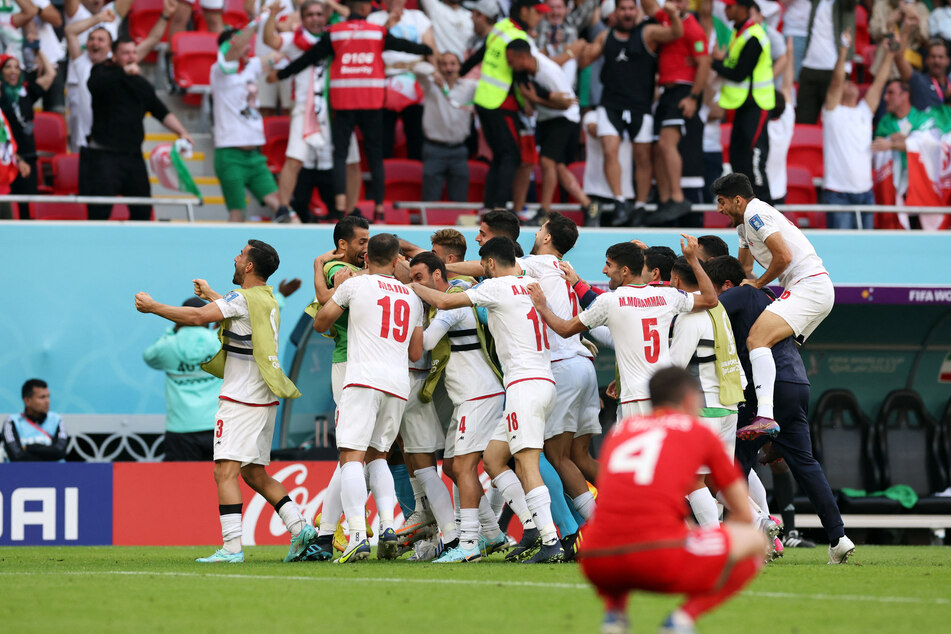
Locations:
708 293
409 249
472 268
781 259
327 315
564 327
184 315
416 344
442 301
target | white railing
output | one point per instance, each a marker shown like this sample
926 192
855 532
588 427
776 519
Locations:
188 202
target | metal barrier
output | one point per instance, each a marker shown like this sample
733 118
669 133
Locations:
188 202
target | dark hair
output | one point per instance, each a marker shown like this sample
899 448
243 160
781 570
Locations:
502 221
563 231
937 41
226 35
432 263
519 46
670 386
730 185
683 270
905 87
660 258
500 249
27 390
194 302
627 254
264 258
724 268
122 39
306 4
101 27
346 228
383 248
713 246
450 240
779 108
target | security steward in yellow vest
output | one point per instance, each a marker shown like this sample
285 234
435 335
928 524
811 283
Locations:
747 71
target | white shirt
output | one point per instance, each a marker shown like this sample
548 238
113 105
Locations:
242 377
468 375
447 117
821 54
79 100
796 18
780 136
595 183
638 317
412 25
452 26
82 13
761 221
237 120
302 84
562 300
847 148
551 76
383 315
50 45
520 333
287 8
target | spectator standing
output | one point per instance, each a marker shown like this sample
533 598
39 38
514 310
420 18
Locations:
595 184
780 127
112 164
560 28
452 25
484 14
11 23
211 10
270 96
36 434
827 21
47 21
847 145
747 72
447 119
796 26
930 88
939 22
889 18
78 10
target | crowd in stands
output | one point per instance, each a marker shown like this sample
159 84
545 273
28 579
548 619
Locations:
611 105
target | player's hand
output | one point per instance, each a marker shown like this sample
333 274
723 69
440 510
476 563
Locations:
321 260
528 92
143 302
342 276
751 282
611 390
591 346
689 246
688 107
288 287
639 244
570 274
202 289
537 294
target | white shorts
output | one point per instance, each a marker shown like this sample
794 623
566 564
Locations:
338 374
635 408
298 149
576 396
528 405
805 304
368 418
473 424
421 430
725 428
268 94
645 134
243 433
214 5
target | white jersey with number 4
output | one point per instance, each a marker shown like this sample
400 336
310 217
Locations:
639 318
383 315
761 221
562 301
521 337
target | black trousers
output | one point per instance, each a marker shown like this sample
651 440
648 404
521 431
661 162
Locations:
27 187
749 146
795 445
813 86
307 181
412 117
501 133
108 173
370 123
196 446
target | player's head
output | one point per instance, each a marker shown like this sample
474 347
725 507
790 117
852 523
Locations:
123 51
725 271
682 276
529 12
658 261
557 232
383 251
897 98
626 13
427 269
518 53
624 264
257 259
351 235
675 388
449 245
36 397
313 16
360 7
733 192
497 254
711 247
498 223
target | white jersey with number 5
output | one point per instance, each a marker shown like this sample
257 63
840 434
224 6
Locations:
562 301
521 337
761 221
383 315
639 318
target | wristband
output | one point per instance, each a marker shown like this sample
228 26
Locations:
581 287
165 17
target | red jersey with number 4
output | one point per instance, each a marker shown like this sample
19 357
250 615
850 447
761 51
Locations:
648 466
676 61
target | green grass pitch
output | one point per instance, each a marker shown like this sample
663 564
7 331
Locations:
126 589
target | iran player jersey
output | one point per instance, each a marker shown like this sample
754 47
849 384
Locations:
648 466
383 315
638 317
562 301
521 337
761 221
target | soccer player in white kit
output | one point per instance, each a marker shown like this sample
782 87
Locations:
385 328
770 239
523 350
638 316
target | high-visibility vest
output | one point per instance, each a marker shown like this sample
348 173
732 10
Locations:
496 79
357 76
733 94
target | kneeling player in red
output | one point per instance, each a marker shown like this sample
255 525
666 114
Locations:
637 538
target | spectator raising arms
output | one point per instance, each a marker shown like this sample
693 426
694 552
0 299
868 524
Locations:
827 22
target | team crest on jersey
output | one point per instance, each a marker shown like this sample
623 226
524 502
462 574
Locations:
230 296
756 222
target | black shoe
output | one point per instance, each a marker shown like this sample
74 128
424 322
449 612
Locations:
537 219
282 215
315 552
450 545
335 215
592 214
552 554
570 545
531 539
622 213
668 213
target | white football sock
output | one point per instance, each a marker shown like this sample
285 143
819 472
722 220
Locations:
440 502
469 529
422 504
488 520
231 531
511 489
291 516
758 491
332 506
353 494
764 376
384 491
584 504
456 503
496 501
539 502
704 507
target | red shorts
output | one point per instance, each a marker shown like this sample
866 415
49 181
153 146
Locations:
528 149
698 565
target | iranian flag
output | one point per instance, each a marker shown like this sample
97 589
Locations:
929 175
883 185
8 163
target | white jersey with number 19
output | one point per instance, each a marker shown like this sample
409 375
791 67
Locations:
383 315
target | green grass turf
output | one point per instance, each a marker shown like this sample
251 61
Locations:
126 589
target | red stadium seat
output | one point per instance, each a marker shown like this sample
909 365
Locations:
58 211
49 131
726 129
395 216
577 168
478 171
276 131
806 148
192 57
445 217
801 191
142 17
576 217
556 197
121 212
399 140
234 14
66 174
714 220
403 179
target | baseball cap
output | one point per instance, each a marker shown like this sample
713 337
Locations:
488 8
541 7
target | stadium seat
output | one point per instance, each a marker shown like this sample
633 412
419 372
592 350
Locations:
447 216
234 14
537 178
399 140
801 191
49 131
577 168
58 211
478 171
66 174
193 53
403 179
805 149
390 214
714 220
142 17
276 132
726 129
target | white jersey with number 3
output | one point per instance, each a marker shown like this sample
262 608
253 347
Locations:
639 318
383 315
761 221
521 337
562 301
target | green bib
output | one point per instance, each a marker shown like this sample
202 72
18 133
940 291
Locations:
337 332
